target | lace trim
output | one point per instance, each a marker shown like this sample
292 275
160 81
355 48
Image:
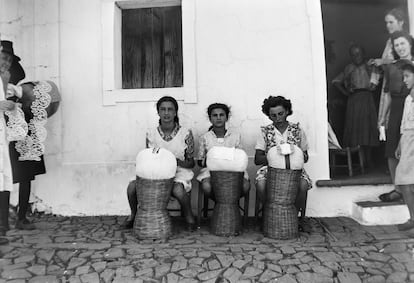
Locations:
170 136
32 147
16 125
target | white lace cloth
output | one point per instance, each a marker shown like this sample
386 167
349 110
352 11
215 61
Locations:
32 147
16 125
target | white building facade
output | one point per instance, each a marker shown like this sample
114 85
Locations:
235 51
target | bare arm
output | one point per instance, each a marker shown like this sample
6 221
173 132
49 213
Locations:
341 88
385 109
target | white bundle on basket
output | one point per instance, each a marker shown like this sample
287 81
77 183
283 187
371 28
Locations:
231 159
276 157
155 164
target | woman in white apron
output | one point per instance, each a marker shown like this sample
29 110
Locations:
170 135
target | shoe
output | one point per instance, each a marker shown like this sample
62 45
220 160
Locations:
391 196
24 224
406 226
128 224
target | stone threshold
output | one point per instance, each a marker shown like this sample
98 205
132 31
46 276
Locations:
356 181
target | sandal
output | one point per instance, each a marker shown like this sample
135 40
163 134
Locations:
391 196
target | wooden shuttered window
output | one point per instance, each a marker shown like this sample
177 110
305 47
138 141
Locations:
152 51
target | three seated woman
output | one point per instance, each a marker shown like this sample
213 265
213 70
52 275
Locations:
170 135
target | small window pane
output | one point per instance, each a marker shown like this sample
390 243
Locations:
152 55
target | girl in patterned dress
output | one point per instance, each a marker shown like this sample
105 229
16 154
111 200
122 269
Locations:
404 173
277 108
217 135
169 134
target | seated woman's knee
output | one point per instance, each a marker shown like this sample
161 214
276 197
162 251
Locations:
206 186
178 191
246 187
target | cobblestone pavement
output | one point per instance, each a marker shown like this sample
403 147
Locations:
94 249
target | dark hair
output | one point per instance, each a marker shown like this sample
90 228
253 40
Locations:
273 101
213 106
399 34
173 101
397 13
354 46
222 106
409 66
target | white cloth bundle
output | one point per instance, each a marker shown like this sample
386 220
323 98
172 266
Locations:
231 159
155 164
276 159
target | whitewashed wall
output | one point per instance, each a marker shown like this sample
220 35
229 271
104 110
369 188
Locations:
245 51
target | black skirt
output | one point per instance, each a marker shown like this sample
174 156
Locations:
24 171
393 132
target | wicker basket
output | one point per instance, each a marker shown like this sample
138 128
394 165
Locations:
282 185
152 220
280 218
280 221
227 187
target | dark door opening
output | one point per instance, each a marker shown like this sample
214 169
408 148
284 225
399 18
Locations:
362 22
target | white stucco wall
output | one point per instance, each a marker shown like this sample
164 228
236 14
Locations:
245 51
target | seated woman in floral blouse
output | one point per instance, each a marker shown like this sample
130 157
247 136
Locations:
278 108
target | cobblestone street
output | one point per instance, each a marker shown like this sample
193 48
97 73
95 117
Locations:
94 249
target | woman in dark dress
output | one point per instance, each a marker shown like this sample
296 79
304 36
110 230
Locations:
396 91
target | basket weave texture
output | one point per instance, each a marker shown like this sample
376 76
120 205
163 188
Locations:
152 220
280 219
227 186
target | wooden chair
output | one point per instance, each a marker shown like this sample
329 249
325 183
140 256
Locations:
203 209
347 152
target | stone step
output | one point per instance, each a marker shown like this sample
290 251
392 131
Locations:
380 213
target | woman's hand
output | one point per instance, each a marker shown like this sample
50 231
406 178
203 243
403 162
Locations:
7 105
398 151
342 89
13 90
376 62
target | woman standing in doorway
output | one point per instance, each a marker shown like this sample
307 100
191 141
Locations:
394 21
395 92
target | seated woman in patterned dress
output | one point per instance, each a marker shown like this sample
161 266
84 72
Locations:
280 131
217 135
169 134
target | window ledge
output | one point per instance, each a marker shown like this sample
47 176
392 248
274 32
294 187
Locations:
112 97
112 54
361 181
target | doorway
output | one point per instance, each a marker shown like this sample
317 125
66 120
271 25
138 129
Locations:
347 22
